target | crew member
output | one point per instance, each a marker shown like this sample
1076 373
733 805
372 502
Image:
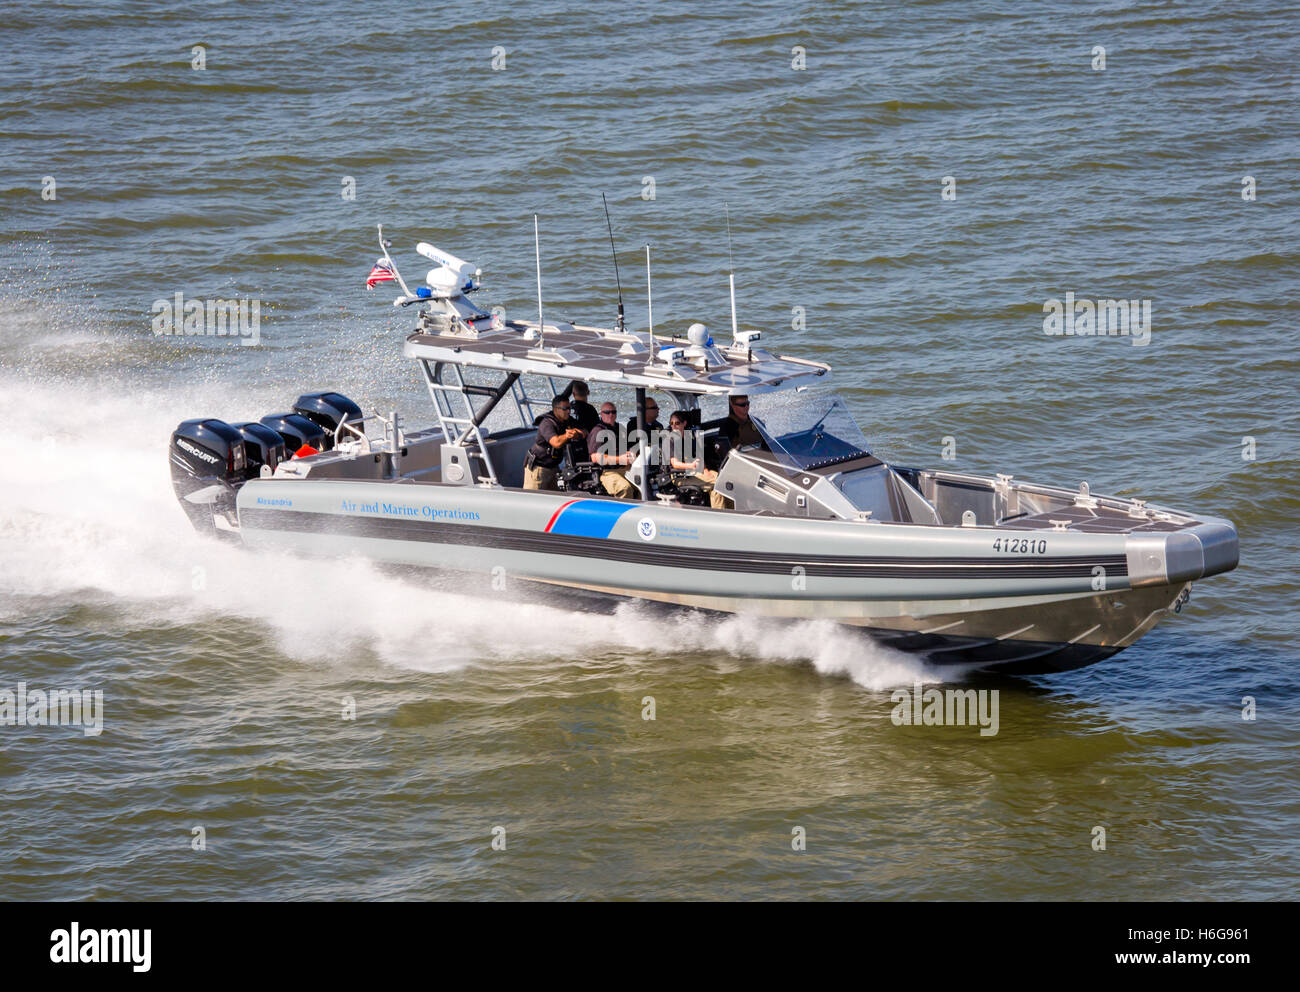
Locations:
553 432
583 414
682 451
608 450
653 430
738 428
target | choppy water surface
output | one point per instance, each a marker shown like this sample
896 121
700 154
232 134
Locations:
224 672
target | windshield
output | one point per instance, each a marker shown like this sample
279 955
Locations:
810 430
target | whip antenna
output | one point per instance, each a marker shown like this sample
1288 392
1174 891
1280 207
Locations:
619 282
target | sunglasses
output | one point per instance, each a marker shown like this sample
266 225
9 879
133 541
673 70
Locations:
563 406
608 413
746 403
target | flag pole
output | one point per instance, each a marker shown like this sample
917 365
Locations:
383 246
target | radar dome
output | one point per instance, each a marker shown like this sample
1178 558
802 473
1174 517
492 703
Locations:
444 282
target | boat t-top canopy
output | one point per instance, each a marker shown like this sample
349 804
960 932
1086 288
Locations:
602 355
453 331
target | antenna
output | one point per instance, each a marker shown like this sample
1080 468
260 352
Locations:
731 278
537 247
650 303
619 326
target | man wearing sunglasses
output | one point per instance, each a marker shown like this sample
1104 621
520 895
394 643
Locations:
738 428
608 450
653 430
740 431
651 418
553 432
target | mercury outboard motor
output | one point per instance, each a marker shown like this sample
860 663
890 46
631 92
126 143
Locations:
207 459
297 431
262 446
327 411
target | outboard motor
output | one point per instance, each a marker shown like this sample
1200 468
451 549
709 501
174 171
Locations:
262 446
208 460
327 411
297 431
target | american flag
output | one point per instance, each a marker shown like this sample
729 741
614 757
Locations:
382 272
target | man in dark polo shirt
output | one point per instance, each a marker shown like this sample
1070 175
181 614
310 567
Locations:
582 413
554 432
740 431
651 420
738 428
653 430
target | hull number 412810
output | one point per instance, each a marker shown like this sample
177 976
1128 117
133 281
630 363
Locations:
1019 546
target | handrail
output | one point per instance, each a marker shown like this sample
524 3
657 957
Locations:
447 421
350 425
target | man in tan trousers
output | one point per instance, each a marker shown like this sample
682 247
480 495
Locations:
553 432
605 449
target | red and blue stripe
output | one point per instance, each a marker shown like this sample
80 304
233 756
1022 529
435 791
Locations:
586 517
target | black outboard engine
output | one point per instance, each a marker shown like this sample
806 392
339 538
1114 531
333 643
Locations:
297 431
262 446
327 411
207 459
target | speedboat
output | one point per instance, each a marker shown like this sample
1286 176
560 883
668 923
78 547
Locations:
967 570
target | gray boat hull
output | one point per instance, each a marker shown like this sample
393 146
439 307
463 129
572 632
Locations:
944 592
